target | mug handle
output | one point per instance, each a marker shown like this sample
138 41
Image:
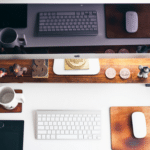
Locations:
20 97
22 39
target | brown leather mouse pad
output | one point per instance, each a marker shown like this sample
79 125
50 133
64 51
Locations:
122 137
115 20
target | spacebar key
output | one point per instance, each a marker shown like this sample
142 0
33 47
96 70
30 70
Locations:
66 137
66 13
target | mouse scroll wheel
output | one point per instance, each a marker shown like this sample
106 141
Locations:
1 124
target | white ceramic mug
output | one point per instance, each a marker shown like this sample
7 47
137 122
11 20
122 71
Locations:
9 38
9 99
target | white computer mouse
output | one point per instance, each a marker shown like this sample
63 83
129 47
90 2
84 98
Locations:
139 125
131 21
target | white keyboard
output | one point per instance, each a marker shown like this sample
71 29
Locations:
68 125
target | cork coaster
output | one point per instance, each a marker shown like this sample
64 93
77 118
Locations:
109 51
18 109
124 73
76 64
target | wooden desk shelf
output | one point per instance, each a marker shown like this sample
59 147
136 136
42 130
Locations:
117 64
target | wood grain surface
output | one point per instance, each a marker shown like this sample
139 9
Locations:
117 64
18 109
115 20
122 137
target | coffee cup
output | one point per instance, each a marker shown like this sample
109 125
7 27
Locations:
9 99
9 38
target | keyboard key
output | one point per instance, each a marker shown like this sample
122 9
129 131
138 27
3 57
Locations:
82 13
78 13
43 119
62 131
67 137
53 13
50 123
49 131
66 131
92 16
42 131
75 132
97 127
43 137
80 136
48 119
93 19
71 131
53 136
90 13
58 132
96 132
40 123
42 20
85 136
40 127
65 13
55 127
94 123
47 127
45 123
52 119
94 12
39 137
97 119
48 137
41 14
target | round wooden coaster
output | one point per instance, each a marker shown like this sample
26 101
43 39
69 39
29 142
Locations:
109 51
124 73
110 73
123 50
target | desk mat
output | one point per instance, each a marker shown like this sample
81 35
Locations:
115 20
122 137
18 109
12 135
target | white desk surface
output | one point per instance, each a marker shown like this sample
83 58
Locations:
75 97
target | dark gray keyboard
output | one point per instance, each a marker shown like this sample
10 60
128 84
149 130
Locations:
68 23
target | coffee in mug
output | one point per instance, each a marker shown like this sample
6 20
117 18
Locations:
9 38
9 99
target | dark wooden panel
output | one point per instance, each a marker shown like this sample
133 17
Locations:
18 109
122 137
115 20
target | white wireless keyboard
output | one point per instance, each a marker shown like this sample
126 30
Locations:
68 125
